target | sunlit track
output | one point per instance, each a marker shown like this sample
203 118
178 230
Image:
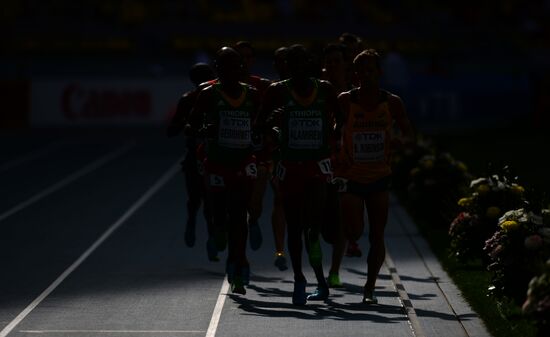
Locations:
143 199
124 332
109 255
211 332
67 180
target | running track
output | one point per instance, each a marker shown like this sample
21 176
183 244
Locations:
91 244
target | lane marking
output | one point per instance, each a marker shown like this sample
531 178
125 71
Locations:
114 331
175 168
404 298
64 182
433 277
213 326
31 156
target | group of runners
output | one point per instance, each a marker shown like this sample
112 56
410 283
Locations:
321 138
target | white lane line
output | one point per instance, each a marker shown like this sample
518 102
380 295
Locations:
175 168
211 332
31 156
404 297
57 186
114 331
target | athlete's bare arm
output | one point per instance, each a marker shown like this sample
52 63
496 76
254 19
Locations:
198 113
268 116
333 107
343 102
397 110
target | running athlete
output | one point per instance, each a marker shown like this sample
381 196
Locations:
334 71
279 63
200 72
363 174
303 108
353 45
225 111
263 156
278 222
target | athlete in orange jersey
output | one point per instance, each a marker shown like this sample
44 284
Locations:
363 173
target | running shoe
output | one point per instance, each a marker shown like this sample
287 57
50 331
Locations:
369 297
280 261
320 294
255 235
190 233
353 249
315 253
212 250
299 296
333 281
237 286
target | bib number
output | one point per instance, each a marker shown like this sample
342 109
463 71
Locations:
251 170
216 180
369 146
325 166
280 171
341 184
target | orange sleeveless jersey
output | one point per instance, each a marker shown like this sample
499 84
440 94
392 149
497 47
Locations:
365 153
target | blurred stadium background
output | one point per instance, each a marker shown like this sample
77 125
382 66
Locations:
103 62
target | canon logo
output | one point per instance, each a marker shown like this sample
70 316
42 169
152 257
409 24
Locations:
93 103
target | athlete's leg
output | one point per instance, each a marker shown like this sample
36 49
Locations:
314 214
255 206
377 210
193 184
278 224
238 231
293 209
352 208
334 228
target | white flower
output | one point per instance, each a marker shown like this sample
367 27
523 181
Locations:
478 181
516 215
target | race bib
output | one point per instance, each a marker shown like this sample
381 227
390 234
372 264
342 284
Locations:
251 170
280 171
341 184
369 146
216 180
235 129
325 166
305 133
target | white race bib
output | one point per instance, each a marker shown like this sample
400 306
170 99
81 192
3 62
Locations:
280 171
340 183
251 170
325 166
369 146
305 133
234 130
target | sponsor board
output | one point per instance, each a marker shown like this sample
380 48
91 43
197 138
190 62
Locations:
82 102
